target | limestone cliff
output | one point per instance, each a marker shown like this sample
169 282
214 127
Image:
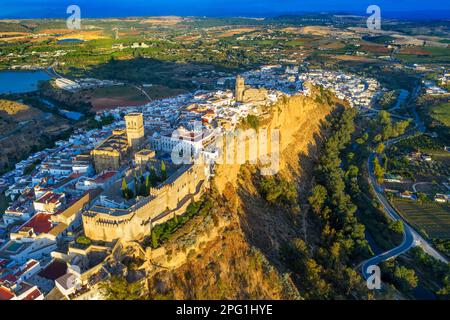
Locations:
233 252
299 120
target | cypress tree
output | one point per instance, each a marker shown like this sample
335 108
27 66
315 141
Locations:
147 184
124 187
163 170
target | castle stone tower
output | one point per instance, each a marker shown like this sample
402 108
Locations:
135 130
240 88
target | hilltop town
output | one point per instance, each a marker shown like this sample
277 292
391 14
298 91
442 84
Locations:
137 151
118 182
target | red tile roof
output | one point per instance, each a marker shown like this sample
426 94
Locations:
28 266
54 270
40 223
6 294
33 295
10 278
49 197
105 176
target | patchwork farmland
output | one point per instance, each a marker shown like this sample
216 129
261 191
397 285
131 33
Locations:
431 217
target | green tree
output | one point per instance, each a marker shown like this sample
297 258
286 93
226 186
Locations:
318 286
421 197
163 170
397 227
378 170
253 121
318 198
154 239
384 119
352 172
153 177
352 280
147 183
400 127
378 138
136 186
124 184
445 290
126 192
405 278
380 148
350 157
118 288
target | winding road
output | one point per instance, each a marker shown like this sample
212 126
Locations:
143 92
410 237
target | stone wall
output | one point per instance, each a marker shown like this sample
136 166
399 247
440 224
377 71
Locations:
169 257
163 203
254 95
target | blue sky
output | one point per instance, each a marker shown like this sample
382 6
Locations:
106 8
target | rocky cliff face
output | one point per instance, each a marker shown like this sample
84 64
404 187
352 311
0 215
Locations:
236 254
299 120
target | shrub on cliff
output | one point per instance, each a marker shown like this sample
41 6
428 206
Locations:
118 288
277 190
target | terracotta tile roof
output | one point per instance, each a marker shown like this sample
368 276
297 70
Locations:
33 295
54 270
10 278
6 294
40 223
49 197
28 266
105 176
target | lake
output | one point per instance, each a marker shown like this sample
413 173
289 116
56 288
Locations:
21 81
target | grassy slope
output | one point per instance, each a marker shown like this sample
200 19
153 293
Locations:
441 113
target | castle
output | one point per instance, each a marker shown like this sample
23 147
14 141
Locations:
244 94
239 89
114 151
135 130
112 217
164 202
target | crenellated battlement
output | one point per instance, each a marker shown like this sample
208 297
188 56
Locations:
165 201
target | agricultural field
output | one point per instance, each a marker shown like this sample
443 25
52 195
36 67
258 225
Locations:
431 55
117 96
430 188
127 95
417 171
431 218
441 113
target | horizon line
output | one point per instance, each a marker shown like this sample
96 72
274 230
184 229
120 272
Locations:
394 15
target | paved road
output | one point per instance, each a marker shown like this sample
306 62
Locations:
403 95
410 237
419 184
144 93
52 72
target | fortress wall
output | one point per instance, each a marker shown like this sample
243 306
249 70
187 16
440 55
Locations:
182 209
97 229
138 223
